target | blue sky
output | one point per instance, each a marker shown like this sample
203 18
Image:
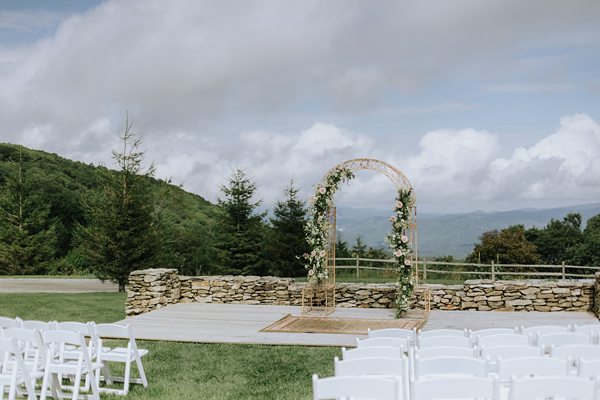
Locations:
484 105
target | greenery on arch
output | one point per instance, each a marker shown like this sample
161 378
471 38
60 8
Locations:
318 226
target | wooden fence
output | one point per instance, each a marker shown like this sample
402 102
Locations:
363 267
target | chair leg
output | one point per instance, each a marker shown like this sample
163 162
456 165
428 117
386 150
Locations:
76 385
45 384
127 377
138 361
94 386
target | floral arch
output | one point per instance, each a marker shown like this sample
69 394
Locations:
401 239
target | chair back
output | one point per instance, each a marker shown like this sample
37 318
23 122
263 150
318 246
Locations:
495 331
552 387
371 366
532 366
510 352
443 332
445 341
409 334
39 325
455 388
563 339
588 368
449 366
370 352
30 342
383 341
504 340
9 323
367 387
443 351
544 329
584 351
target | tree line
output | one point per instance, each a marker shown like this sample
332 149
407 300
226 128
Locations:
559 241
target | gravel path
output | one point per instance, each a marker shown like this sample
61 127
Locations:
54 285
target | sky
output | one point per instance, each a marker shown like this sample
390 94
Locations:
483 105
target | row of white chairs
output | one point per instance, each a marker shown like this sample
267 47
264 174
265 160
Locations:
454 387
410 357
417 337
52 351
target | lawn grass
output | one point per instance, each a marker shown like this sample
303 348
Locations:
189 370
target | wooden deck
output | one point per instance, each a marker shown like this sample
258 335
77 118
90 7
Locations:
236 323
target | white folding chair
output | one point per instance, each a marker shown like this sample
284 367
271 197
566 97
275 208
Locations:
454 388
390 367
370 352
127 355
449 366
365 387
553 387
14 372
531 366
554 340
445 341
58 365
410 334
32 350
504 340
383 341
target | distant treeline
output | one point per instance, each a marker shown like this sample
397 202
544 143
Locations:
559 241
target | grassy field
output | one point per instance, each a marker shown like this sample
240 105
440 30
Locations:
184 370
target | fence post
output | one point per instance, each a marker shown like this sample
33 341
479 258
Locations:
357 266
493 271
424 270
563 270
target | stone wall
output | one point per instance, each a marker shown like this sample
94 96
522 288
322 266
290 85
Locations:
155 288
151 289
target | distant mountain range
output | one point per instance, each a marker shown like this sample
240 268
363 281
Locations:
450 234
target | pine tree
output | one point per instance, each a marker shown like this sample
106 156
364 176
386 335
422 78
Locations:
287 241
27 232
121 235
359 249
240 230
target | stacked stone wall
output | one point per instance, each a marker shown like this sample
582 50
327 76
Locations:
155 288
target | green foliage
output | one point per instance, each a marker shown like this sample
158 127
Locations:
507 246
241 231
287 242
558 241
122 235
27 230
341 248
589 250
60 192
359 249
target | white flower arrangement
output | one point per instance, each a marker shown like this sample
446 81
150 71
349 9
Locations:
401 249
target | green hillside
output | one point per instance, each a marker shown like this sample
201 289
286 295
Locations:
66 186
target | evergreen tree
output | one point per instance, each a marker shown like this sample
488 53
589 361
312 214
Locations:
287 241
359 249
241 231
27 231
341 248
121 235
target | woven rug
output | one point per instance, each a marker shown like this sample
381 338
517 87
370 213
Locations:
356 326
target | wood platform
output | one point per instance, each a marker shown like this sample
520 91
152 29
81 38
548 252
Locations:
237 323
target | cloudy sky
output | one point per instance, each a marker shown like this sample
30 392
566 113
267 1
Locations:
483 105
